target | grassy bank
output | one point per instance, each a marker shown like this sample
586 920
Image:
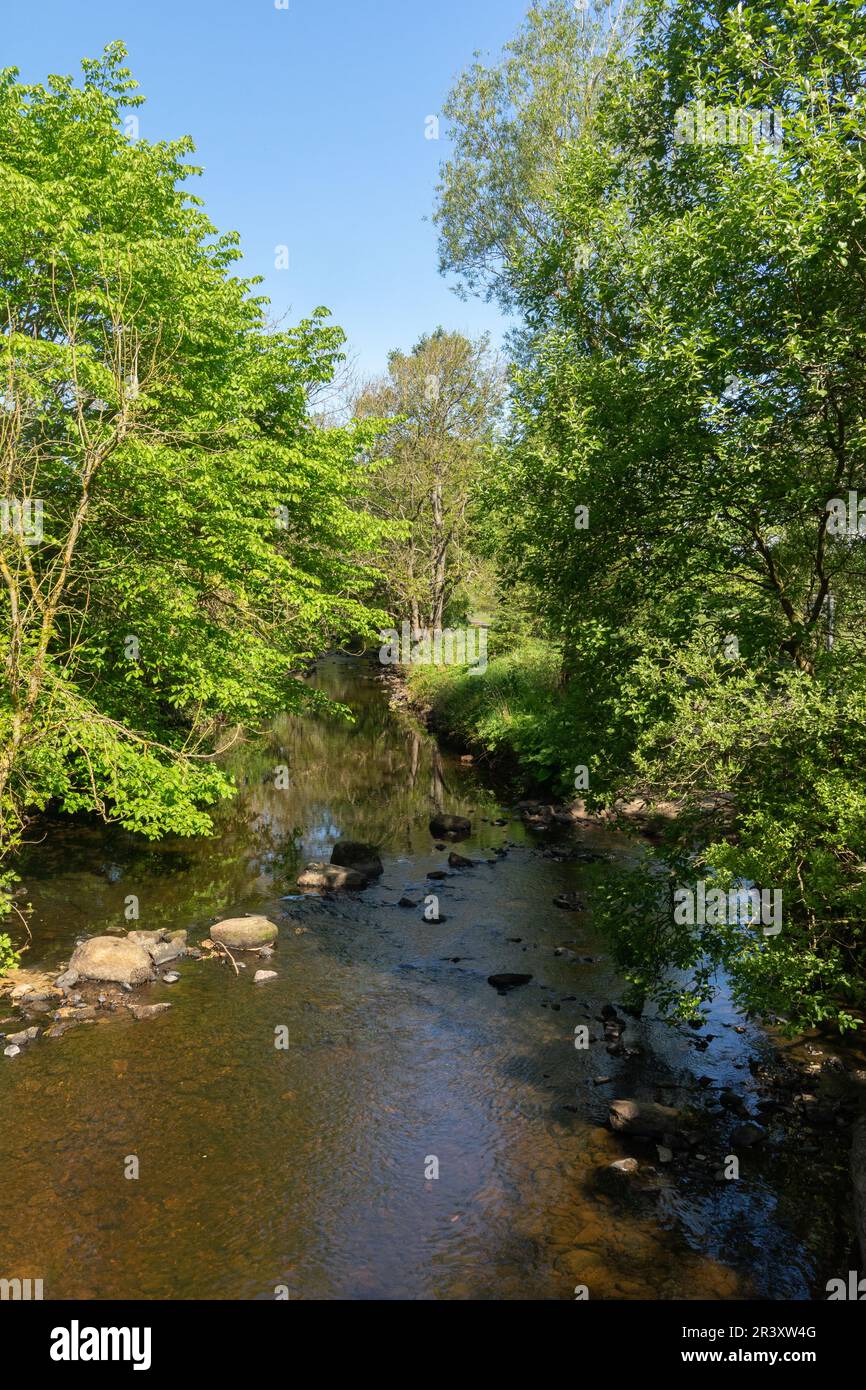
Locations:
809 973
514 712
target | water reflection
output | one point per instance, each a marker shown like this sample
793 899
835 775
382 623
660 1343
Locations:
306 1167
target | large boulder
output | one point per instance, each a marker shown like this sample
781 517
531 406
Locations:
454 826
245 933
114 958
324 878
858 1174
353 854
644 1118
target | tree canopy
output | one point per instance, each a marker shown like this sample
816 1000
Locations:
688 442
177 533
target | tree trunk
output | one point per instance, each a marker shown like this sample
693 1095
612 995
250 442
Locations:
437 574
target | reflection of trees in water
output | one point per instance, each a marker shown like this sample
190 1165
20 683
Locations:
376 777
370 779
438 786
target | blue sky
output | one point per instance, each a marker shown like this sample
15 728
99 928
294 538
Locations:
310 124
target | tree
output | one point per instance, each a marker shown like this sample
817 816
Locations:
441 400
175 529
688 432
510 125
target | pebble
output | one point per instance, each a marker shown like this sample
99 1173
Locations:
145 1011
18 1039
262 976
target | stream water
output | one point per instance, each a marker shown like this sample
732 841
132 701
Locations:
306 1169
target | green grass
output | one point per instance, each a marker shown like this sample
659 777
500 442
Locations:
514 711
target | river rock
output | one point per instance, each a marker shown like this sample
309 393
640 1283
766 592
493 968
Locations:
618 1179
164 951
644 1118
262 976
142 1012
327 877
746 1136
627 1166
162 946
504 982
26 985
27 1035
459 861
449 825
11 1051
57 1030
244 933
353 854
112 958
146 938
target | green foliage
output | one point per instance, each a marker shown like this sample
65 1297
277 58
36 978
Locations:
509 125
509 711
694 378
202 536
441 402
9 956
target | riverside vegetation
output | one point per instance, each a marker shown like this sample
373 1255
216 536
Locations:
654 512
641 505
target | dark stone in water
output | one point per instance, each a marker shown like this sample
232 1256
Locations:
747 1135
459 861
504 982
569 901
353 854
437 874
644 1118
441 825
407 902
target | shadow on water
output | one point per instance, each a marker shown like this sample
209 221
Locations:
308 1168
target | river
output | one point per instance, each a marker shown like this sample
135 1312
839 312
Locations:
306 1171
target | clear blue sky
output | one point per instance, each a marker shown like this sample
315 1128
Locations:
309 123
